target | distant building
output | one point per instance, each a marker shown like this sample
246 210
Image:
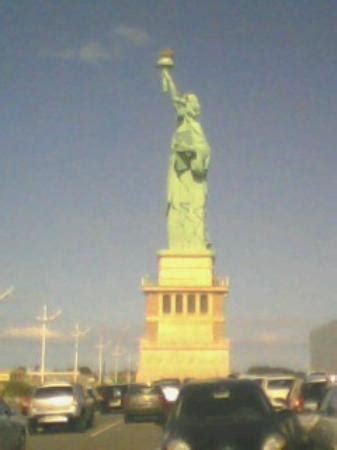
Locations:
323 348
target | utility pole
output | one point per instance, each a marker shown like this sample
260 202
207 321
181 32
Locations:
129 367
100 347
117 352
77 334
44 319
7 293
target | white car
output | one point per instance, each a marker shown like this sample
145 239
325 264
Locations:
276 387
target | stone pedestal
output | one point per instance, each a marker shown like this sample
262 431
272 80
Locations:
185 322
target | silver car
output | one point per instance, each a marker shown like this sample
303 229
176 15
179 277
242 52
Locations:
12 431
61 403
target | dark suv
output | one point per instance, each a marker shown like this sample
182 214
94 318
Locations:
228 414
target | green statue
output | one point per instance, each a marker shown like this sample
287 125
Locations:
188 166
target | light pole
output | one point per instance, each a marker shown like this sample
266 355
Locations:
44 319
77 334
7 293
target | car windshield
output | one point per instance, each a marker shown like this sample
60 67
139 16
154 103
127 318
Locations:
53 391
214 401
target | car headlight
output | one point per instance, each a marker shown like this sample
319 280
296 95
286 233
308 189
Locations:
178 444
274 442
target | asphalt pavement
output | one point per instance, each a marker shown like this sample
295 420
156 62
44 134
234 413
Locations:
109 433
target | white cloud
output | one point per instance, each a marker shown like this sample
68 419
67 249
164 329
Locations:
91 53
32 333
135 36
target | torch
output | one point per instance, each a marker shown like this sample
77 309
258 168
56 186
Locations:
165 62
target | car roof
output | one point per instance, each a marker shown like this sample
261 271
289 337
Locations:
223 381
273 376
56 384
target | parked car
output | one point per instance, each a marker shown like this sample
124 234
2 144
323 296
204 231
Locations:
112 396
228 414
144 401
60 403
323 433
12 431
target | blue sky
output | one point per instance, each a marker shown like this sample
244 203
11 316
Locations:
85 133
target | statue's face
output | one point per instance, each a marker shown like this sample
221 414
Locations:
193 105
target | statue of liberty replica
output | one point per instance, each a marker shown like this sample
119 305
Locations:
188 167
185 323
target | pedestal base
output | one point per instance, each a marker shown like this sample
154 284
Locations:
185 330
183 363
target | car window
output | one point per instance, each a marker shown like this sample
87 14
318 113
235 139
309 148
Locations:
105 390
258 381
220 401
53 391
112 391
280 383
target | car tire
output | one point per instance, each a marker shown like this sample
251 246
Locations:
81 423
91 420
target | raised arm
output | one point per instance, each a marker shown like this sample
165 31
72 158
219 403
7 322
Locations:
169 85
